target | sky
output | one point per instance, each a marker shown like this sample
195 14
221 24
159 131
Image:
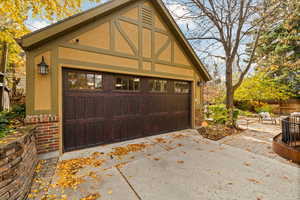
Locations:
36 23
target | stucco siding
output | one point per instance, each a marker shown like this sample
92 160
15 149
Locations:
84 56
42 95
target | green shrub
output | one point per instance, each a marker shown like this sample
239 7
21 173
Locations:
220 114
244 105
245 113
264 108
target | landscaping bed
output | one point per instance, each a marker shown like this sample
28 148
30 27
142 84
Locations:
217 131
11 120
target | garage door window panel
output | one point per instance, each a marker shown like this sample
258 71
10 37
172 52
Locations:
127 84
84 81
158 85
181 87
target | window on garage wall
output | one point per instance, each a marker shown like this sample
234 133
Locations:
181 87
84 80
127 83
158 85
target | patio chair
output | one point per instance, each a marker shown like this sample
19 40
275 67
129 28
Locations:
265 116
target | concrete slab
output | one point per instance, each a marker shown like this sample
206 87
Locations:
111 161
109 184
181 165
220 173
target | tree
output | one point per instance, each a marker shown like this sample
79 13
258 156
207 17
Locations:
261 87
278 52
222 29
279 45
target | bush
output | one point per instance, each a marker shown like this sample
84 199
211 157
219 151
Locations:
220 114
264 108
244 105
246 113
11 120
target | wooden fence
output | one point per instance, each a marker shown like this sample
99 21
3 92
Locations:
287 107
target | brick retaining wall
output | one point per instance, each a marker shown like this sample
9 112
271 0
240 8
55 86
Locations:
18 158
46 132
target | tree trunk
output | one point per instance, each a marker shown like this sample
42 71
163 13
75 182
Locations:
229 85
229 91
2 73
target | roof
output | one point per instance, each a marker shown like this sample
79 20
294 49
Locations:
41 36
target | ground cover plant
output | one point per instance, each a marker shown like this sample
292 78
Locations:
11 120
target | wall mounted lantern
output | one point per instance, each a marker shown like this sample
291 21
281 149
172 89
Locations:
43 67
200 83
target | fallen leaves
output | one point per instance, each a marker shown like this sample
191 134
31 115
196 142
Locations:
109 192
120 165
122 151
39 166
180 161
156 159
91 197
67 171
160 140
177 136
253 180
247 164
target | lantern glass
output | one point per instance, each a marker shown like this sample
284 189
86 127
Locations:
43 67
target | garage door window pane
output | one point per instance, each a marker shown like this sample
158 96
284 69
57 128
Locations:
90 81
158 85
82 81
136 83
181 87
72 80
98 81
127 84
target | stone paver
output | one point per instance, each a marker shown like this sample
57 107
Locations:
257 138
42 179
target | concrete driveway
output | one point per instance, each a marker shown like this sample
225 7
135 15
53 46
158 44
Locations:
175 166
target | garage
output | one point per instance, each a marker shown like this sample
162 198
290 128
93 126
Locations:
101 108
119 71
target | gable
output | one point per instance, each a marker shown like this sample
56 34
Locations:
135 32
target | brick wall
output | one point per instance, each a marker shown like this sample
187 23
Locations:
18 158
46 132
198 116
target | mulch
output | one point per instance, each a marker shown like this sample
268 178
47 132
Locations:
217 131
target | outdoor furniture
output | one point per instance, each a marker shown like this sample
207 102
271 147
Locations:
265 116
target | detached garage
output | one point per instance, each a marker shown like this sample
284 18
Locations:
119 71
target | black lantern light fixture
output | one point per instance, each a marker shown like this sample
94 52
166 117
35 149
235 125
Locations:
200 83
43 67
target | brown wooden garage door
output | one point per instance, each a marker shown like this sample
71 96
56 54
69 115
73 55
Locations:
101 108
